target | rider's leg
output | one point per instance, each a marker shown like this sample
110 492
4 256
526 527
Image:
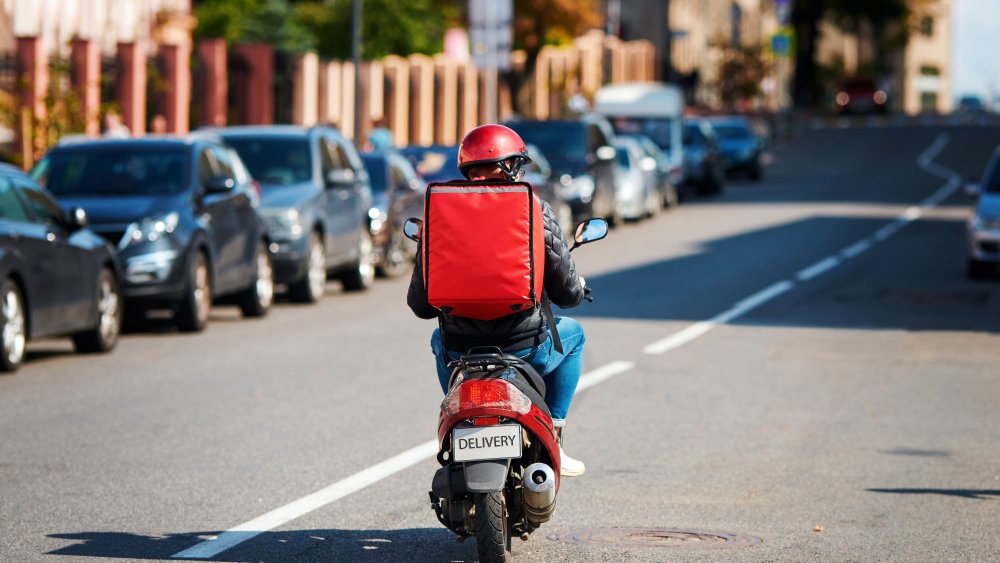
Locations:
441 359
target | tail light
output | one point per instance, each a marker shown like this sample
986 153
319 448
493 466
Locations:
256 187
485 393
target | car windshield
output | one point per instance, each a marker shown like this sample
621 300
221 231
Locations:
623 160
275 161
375 165
693 135
993 185
731 132
114 171
434 164
562 142
656 128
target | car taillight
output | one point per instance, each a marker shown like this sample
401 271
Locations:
256 187
485 393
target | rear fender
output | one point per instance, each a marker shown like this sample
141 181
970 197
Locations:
488 476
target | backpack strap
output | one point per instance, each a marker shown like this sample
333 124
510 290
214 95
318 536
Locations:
550 319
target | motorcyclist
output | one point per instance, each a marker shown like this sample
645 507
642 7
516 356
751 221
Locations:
497 152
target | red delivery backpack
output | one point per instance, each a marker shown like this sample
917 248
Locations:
483 248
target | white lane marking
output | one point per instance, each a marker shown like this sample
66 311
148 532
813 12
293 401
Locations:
309 503
925 161
698 329
298 508
856 248
602 374
817 269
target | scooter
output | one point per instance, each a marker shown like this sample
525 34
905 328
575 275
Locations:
499 451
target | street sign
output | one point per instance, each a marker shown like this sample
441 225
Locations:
783 42
490 33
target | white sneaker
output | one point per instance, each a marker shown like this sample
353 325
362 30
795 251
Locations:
569 467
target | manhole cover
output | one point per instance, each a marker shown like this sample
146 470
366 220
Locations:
652 537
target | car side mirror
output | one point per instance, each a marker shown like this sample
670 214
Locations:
219 184
340 178
971 188
413 228
76 218
589 231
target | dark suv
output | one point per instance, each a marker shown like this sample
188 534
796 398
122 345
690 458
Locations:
182 212
582 155
316 200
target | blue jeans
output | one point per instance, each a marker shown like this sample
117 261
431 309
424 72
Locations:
561 372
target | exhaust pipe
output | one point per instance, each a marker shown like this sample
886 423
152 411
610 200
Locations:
538 488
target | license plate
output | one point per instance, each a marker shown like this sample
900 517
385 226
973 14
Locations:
486 442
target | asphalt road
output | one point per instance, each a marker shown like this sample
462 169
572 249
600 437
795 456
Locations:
797 370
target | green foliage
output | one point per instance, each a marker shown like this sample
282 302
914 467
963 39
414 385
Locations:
388 26
740 74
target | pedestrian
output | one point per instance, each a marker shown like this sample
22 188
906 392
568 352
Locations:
495 152
158 125
113 126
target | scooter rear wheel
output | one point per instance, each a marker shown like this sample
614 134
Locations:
492 532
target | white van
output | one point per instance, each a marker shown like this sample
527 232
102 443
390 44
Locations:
653 109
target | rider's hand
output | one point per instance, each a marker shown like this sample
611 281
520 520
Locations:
583 282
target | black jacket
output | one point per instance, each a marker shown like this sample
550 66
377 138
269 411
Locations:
511 332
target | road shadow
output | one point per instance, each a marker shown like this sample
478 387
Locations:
914 281
414 544
978 494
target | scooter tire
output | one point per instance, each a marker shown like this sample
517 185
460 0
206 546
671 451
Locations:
492 533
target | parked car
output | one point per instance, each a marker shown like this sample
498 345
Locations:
636 195
740 146
315 200
440 164
582 154
652 110
664 177
702 161
56 276
397 195
983 228
183 215
538 173
860 95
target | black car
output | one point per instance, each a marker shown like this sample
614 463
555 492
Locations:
183 215
397 195
56 276
703 165
582 155
316 197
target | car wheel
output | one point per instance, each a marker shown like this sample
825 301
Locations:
104 336
255 301
311 287
361 275
13 323
978 269
192 312
394 262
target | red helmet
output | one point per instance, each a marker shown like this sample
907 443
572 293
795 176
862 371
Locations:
493 144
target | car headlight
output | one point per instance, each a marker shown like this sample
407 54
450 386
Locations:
283 223
980 223
150 229
377 217
150 267
581 187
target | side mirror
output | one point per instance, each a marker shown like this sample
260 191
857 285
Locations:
971 188
219 184
413 228
76 218
340 178
607 152
589 231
